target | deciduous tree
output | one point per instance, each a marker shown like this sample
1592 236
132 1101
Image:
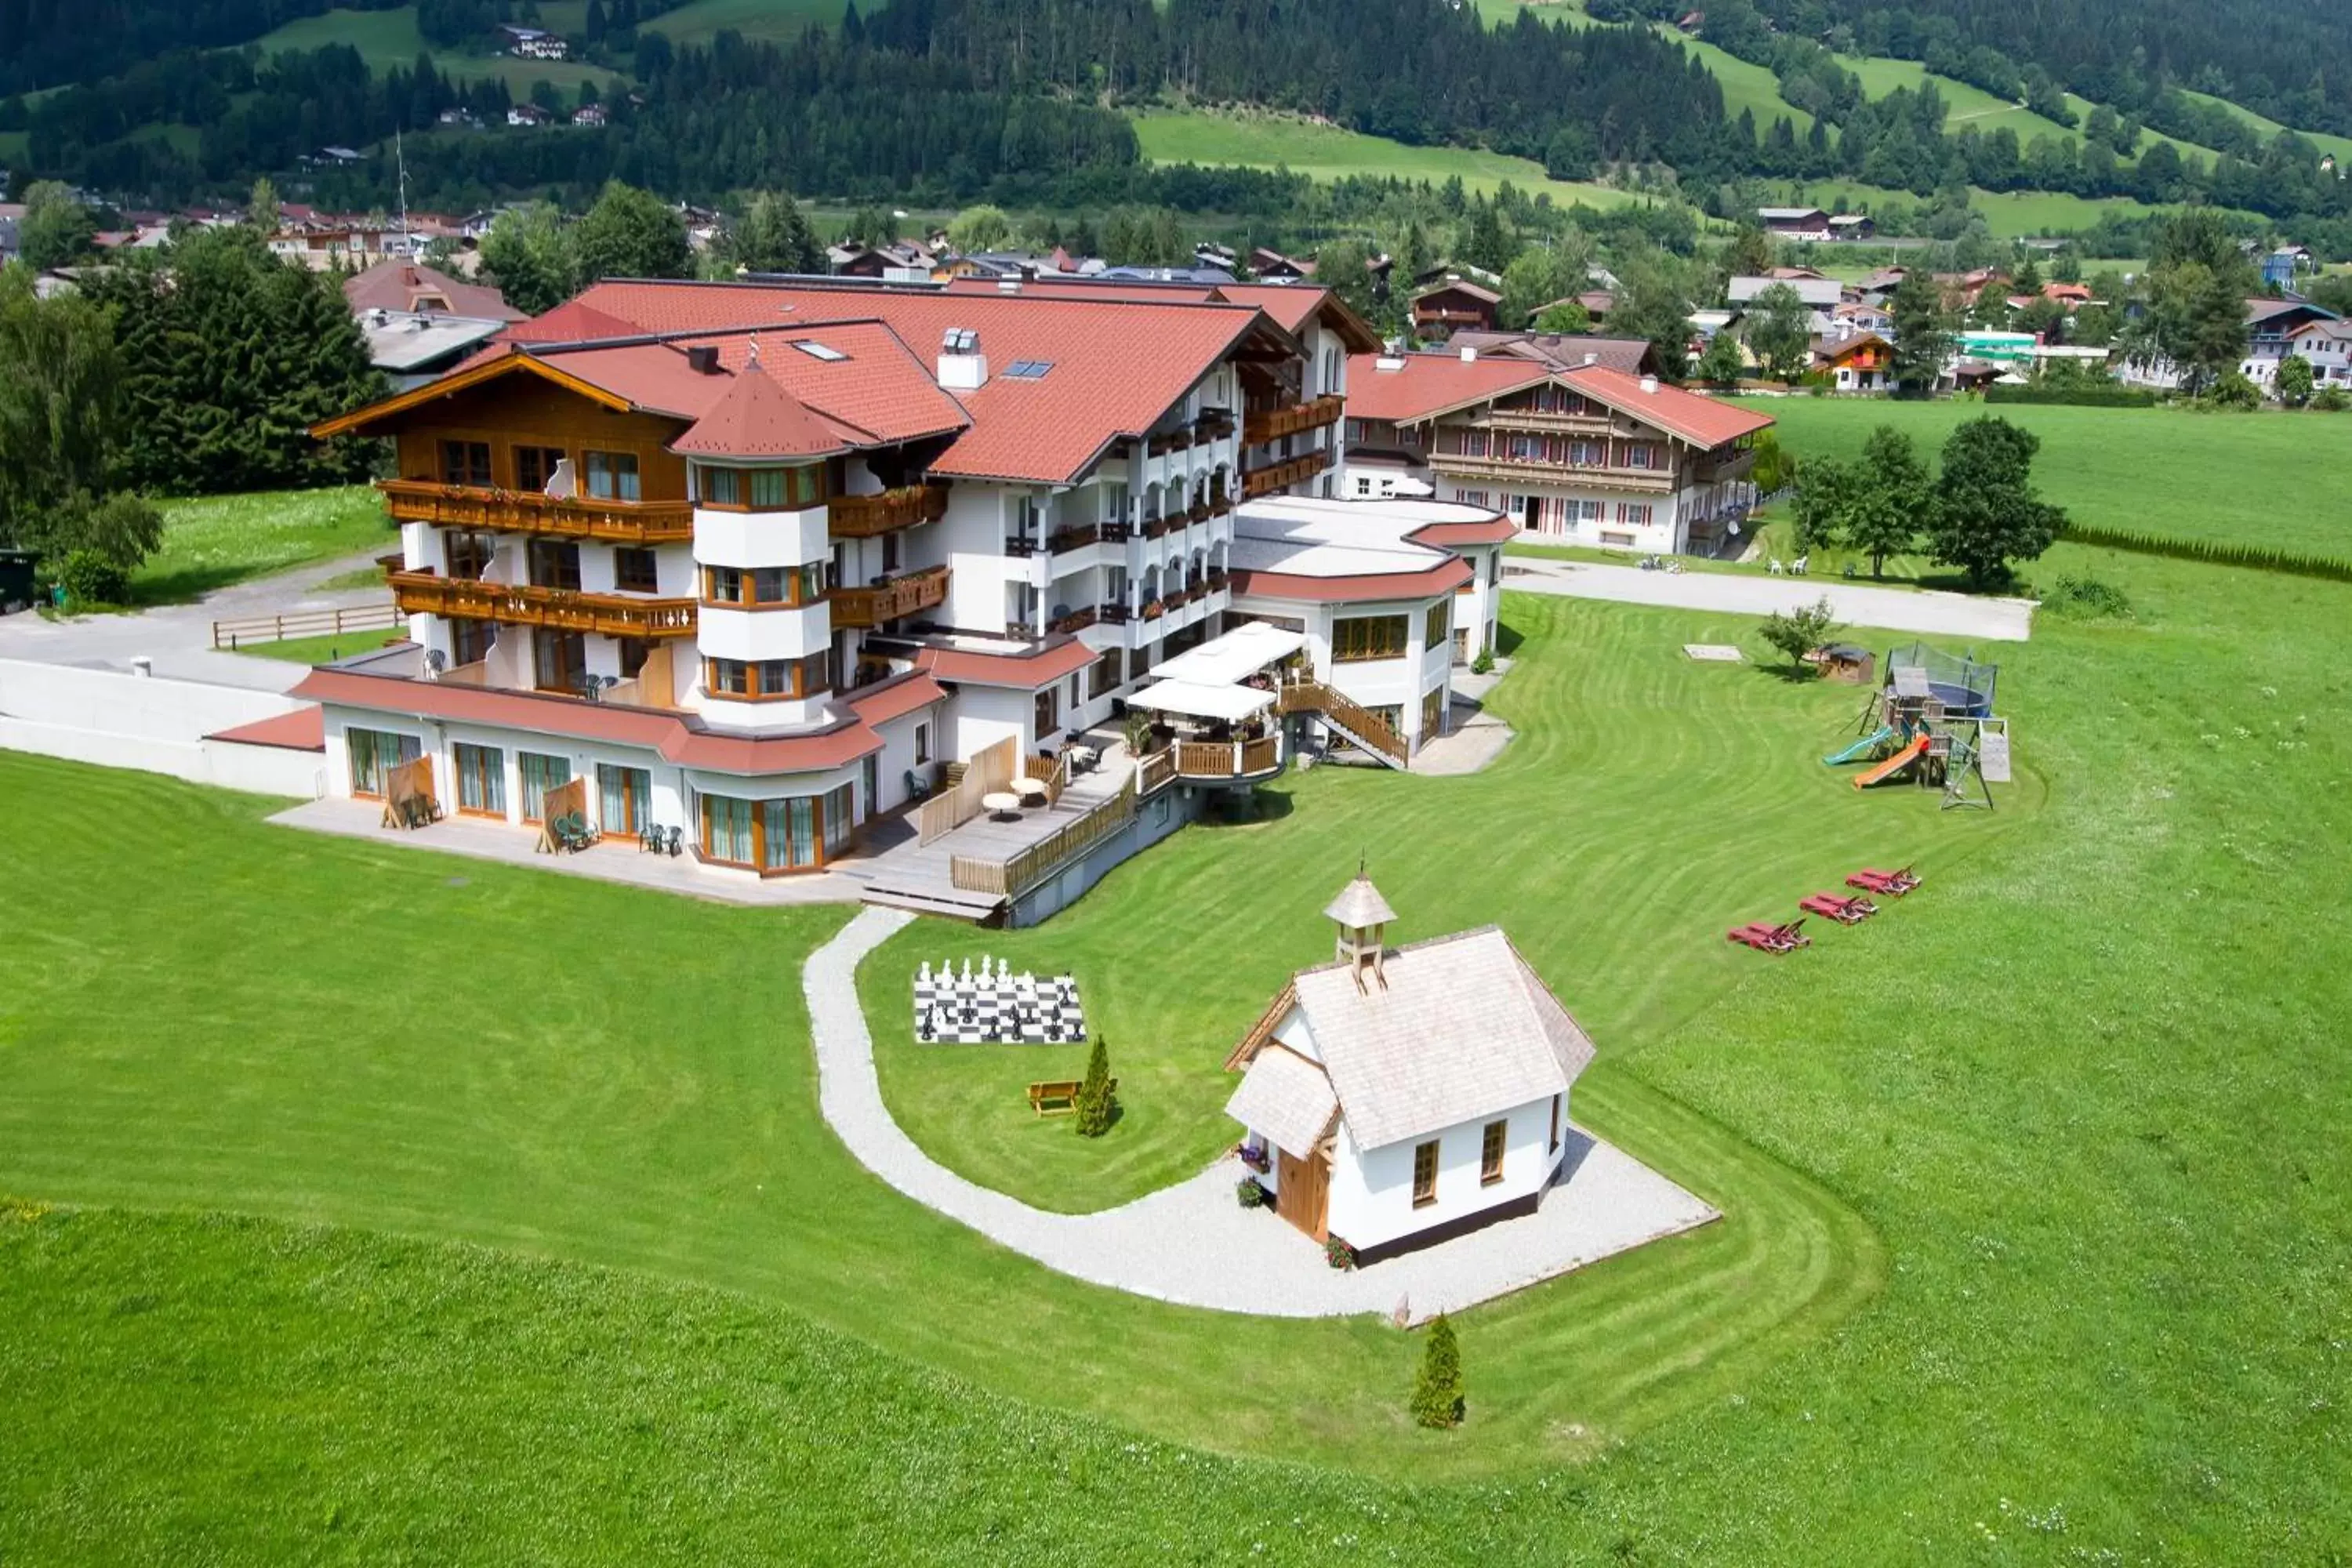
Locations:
2295 381
529 254
57 228
631 233
1777 331
774 237
1796 633
1891 499
1986 514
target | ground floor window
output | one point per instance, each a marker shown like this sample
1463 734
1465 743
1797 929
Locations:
1107 672
482 779
625 798
540 775
375 753
1490 1153
1049 711
1362 638
798 832
1432 714
1425 1174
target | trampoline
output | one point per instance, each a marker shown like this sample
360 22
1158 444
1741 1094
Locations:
1958 683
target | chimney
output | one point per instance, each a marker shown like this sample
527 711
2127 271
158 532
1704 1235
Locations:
1649 383
1469 353
962 367
702 359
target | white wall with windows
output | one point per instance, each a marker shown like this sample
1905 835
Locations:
1375 1198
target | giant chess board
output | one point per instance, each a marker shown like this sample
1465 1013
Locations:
995 1007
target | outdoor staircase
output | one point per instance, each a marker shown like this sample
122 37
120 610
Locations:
1359 726
954 903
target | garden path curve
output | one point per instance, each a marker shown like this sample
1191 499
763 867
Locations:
1928 611
1191 1244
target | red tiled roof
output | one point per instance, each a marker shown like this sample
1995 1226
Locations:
1496 529
757 418
897 697
1032 671
303 730
1442 578
570 323
1702 421
876 393
397 285
1293 305
676 737
1102 387
1430 384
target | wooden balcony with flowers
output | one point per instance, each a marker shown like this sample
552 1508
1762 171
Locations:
524 604
1262 424
868 516
899 597
529 512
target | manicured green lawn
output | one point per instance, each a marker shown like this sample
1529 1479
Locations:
2036 1209
214 541
1265 141
322 649
2158 470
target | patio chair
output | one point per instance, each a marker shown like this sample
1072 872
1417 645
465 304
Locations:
677 841
916 788
649 837
1845 911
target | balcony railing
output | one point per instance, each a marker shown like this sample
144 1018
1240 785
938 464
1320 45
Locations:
1262 425
864 517
1076 536
1228 759
527 511
1076 621
1155 770
1282 475
1156 527
1656 480
1168 441
900 596
523 604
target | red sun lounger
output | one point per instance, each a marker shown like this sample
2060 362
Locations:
1893 884
1765 937
1845 911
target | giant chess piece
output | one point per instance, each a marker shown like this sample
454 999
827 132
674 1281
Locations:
924 1030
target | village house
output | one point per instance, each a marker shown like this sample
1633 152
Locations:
1863 363
532 43
1853 227
1452 305
2326 346
2274 327
1402 1096
1591 455
1795 223
738 558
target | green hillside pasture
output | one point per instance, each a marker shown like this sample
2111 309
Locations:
777 20
386 39
2326 142
2152 470
211 541
1263 141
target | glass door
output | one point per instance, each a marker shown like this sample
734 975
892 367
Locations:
625 798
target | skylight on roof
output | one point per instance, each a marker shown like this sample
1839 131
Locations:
814 350
1028 369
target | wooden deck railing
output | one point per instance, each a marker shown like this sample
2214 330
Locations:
991 769
870 608
1361 723
527 511
1227 759
233 634
864 517
1274 424
1010 879
521 605
1273 477
1158 769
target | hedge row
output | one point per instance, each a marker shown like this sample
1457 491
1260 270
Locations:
2088 396
2214 552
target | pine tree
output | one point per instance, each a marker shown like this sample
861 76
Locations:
1437 1389
1097 1102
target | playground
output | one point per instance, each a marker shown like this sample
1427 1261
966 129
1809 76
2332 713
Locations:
1933 724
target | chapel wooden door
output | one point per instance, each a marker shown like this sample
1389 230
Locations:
1303 1192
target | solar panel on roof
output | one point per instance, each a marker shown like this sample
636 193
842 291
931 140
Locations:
1028 369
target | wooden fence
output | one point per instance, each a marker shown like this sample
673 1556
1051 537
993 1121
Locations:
1010 879
233 634
990 771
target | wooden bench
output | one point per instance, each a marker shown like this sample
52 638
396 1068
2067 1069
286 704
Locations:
1059 1096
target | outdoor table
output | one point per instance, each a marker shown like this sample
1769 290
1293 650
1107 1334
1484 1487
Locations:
1028 789
1000 805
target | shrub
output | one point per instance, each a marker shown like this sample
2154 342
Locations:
2233 392
1437 1389
1483 664
2087 599
1250 1192
2331 400
1796 633
1097 1101
2258 557
1338 1253
90 578
2094 395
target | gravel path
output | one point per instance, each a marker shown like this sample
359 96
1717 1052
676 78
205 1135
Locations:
1894 609
1191 1243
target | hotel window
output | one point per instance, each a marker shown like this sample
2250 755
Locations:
466 463
923 744
1363 637
1425 1174
625 798
795 833
754 679
1592 510
482 779
535 467
1438 623
1490 1153
1641 455
612 475
540 775
558 659
635 570
1633 514
727 830
469 554
470 641
555 563
1107 672
1049 711
722 487
375 753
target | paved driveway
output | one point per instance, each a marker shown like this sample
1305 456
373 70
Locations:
1964 616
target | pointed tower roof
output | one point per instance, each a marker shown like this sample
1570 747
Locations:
757 418
1359 904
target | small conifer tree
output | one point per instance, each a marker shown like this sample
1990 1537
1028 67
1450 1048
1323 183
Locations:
1097 1101
1437 1391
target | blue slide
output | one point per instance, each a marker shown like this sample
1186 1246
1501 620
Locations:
1863 748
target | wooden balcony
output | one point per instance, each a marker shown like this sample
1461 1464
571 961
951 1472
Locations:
1076 621
1596 426
1261 426
1279 476
866 609
562 609
868 516
1509 470
527 511
1229 760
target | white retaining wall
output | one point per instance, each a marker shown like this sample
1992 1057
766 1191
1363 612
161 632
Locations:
151 723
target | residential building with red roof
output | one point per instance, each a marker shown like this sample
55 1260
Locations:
760 561
1589 453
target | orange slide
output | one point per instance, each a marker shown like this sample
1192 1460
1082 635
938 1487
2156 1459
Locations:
1896 763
